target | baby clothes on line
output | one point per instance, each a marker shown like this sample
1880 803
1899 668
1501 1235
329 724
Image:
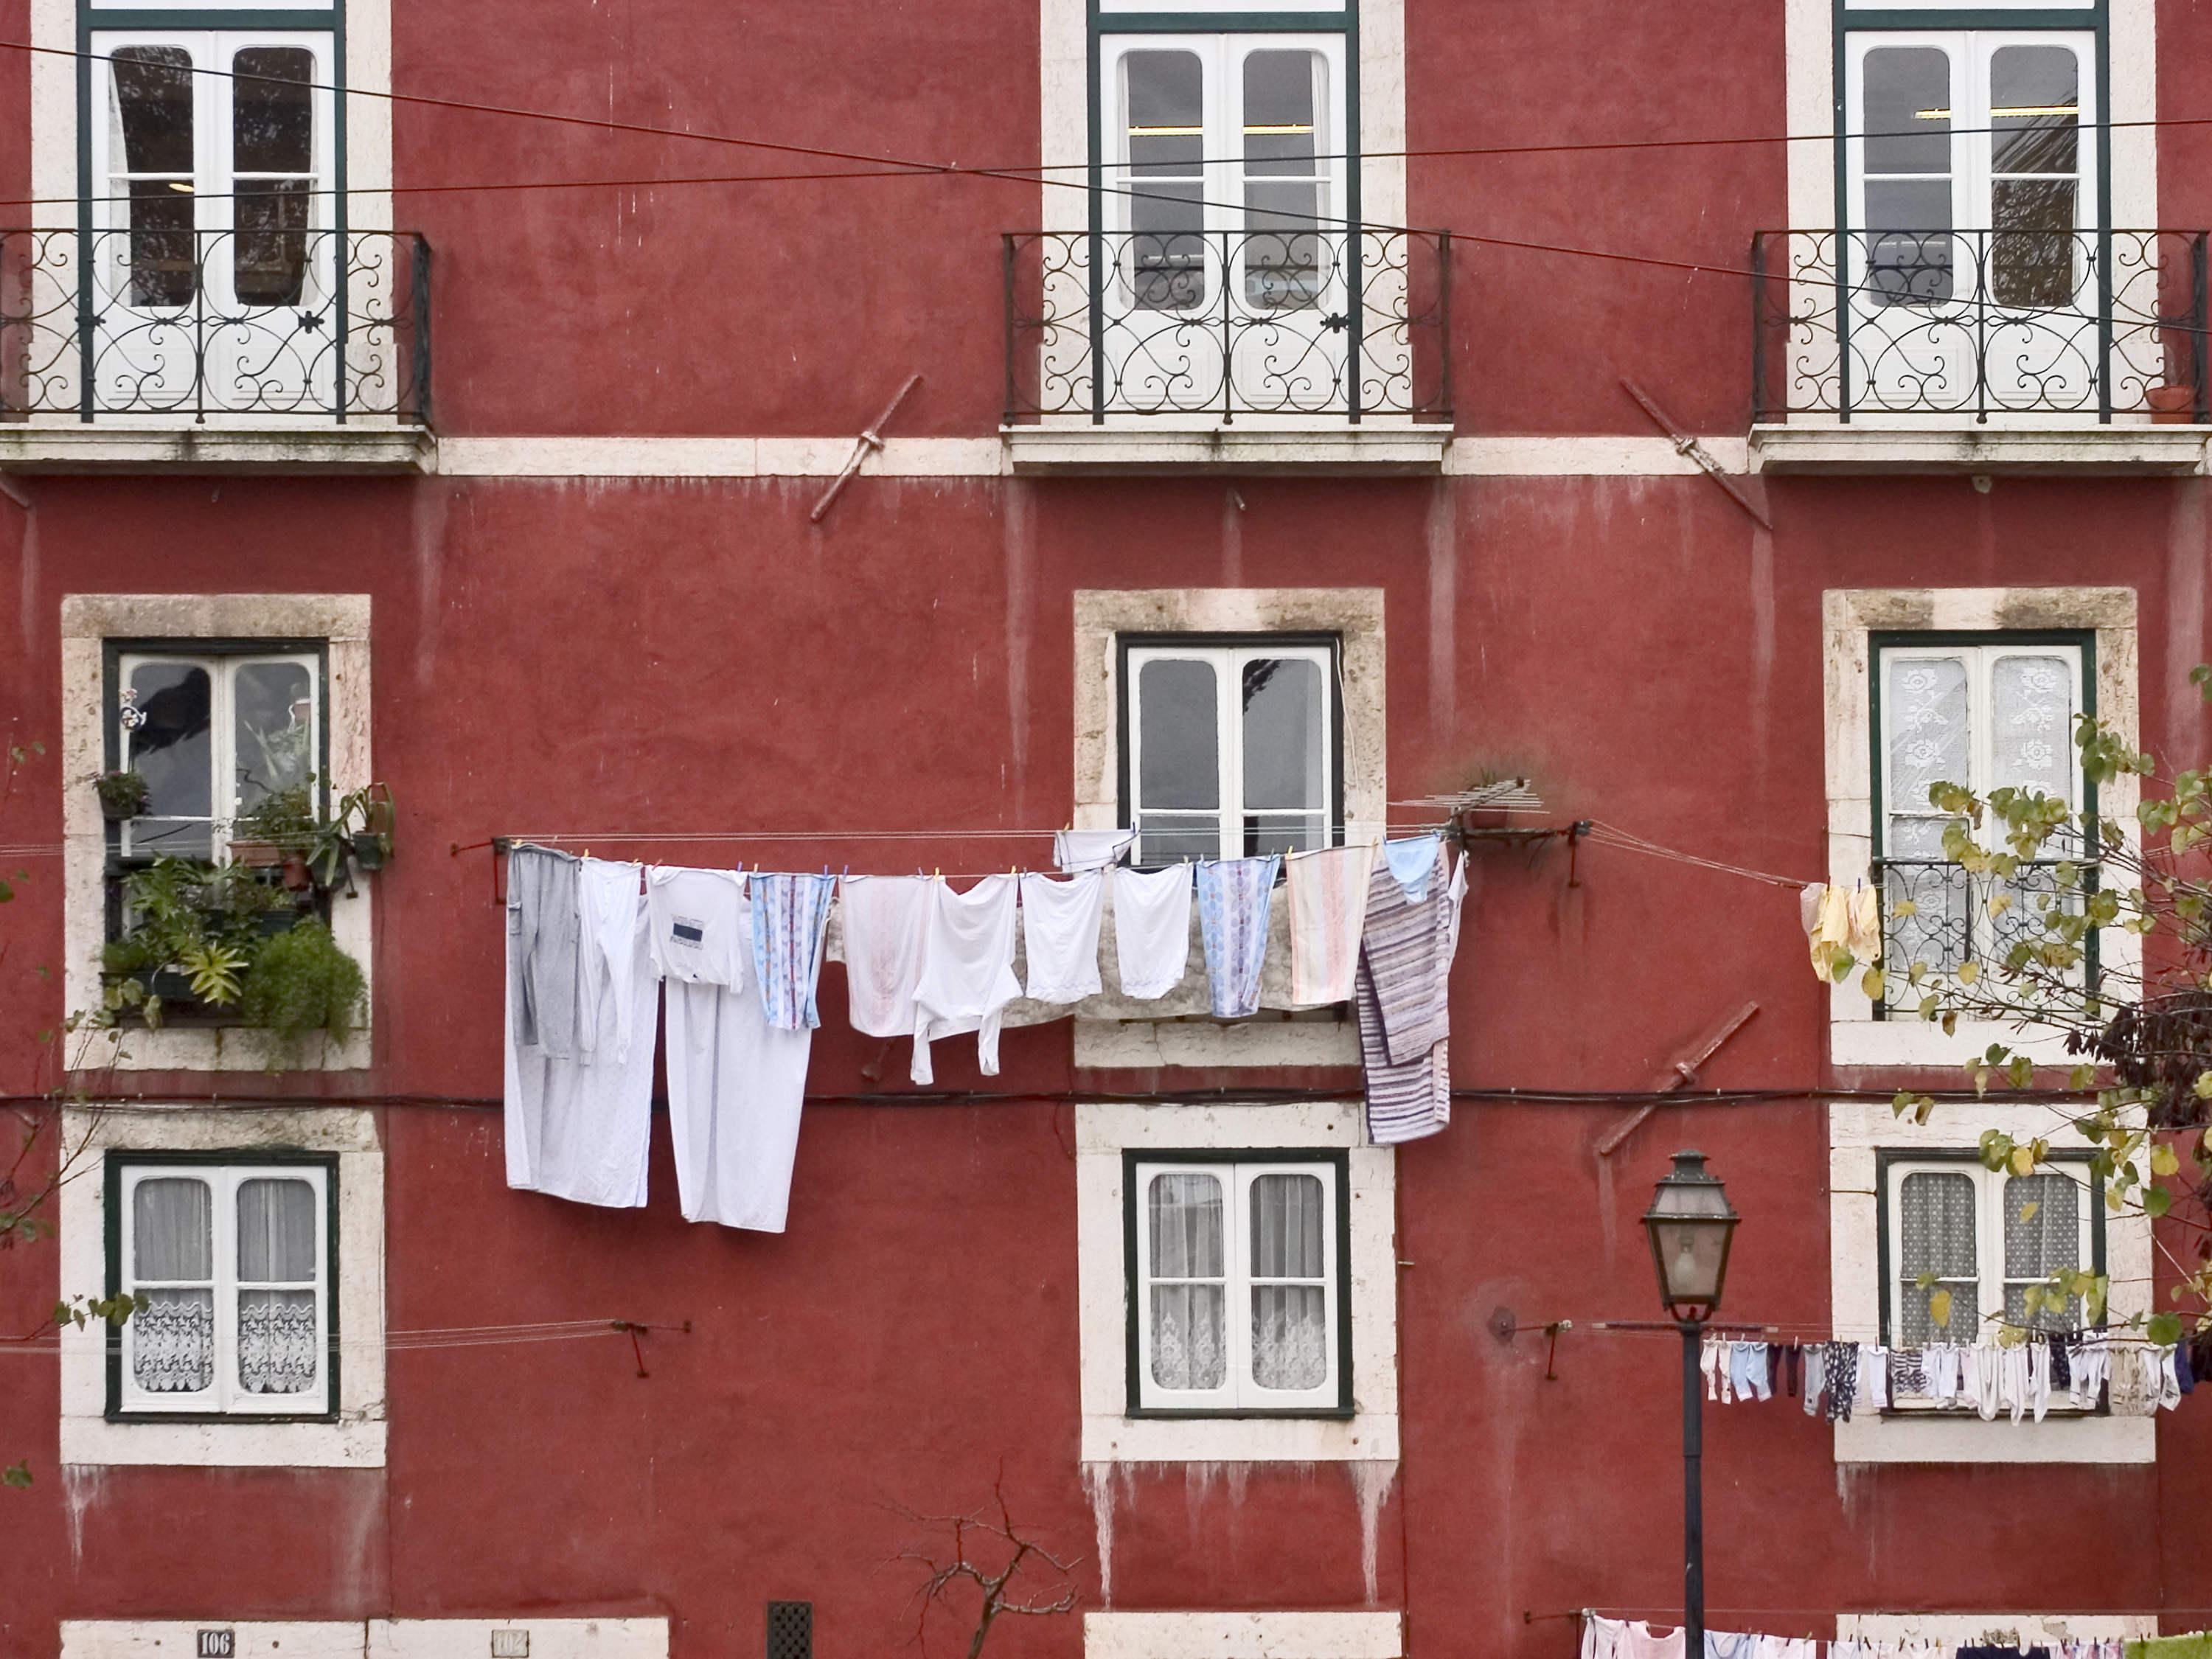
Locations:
1077 850
736 1083
886 925
578 1128
1233 897
1908 1372
1060 935
1402 995
1713 1356
1842 1373
2086 1360
1151 929
967 970
543 939
1816 1377
1327 912
791 916
1747 1371
1873 1393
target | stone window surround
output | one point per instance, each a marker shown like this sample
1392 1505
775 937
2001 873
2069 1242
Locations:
1857 1131
89 622
1851 616
1354 616
1244 1636
1102 1134
355 1439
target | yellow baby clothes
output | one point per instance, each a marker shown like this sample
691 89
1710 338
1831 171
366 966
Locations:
1865 924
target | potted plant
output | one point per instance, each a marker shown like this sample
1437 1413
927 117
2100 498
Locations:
2170 404
372 842
280 829
192 930
123 795
299 982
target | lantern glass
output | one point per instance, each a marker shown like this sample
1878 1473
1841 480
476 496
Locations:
1691 1226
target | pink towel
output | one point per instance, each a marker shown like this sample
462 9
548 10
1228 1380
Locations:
1328 908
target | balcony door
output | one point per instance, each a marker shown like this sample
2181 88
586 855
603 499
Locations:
1226 286
213 270
1972 249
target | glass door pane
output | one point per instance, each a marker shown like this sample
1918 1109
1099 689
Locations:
1163 103
2035 114
1285 744
1178 760
1285 185
151 182
1906 118
272 170
168 738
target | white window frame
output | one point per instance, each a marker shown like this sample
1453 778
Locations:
1992 1281
224 1396
221 669
1227 662
1239 1393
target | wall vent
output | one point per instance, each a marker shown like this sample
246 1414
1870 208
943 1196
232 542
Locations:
791 1630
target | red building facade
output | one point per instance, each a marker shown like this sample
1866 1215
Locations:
355 402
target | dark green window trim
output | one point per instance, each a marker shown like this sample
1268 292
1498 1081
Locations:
229 1158
1339 1159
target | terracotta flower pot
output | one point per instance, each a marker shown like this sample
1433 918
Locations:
297 877
2171 406
256 855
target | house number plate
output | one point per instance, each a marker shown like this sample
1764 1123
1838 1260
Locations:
217 1644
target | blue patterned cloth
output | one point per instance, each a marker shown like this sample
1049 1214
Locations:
790 915
1232 916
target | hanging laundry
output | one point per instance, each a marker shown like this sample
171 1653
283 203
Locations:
886 920
967 970
1873 1392
2169 1381
1403 997
578 1128
543 933
1816 1377
2088 1358
2061 1370
1328 911
736 1083
1233 899
1060 935
1151 929
1842 1380
1830 928
1412 862
1908 1373
1713 1356
1076 850
1747 1371
791 916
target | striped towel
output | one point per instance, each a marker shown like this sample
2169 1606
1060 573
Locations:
1402 998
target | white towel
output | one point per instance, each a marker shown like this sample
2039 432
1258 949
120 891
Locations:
967 970
1075 850
1328 908
886 921
1151 929
1060 935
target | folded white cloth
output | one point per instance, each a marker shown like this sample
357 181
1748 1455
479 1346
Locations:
1328 908
886 922
967 970
1090 849
1151 929
1060 935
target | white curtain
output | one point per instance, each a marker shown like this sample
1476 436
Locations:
2042 1233
276 1245
172 1239
1936 1213
1184 1215
1290 1322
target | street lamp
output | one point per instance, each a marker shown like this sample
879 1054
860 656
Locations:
1690 1225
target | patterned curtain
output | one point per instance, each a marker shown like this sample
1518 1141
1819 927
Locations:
2042 1233
1936 1213
173 1240
1189 1325
1931 741
277 1246
1290 1322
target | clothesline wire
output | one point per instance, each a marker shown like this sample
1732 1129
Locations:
437 1337
1609 835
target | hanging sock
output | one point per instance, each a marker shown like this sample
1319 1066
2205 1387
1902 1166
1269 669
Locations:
791 916
1233 897
967 970
886 923
1060 935
1328 911
1874 1377
1151 929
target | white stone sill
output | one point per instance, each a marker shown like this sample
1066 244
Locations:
1963 445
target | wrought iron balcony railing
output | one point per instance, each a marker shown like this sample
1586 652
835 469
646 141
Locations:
1218 325
1969 323
1950 923
198 325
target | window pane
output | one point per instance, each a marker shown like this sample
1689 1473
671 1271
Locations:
1171 839
275 720
2035 109
1929 739
1188 1351
1907 117
1940 927
276 1231
172 1230
1165 94
270 249
276 1348
1285 725
160 252
2043 1233
1184 1216
1283 257
173 1342
2031 241
170 747
1185 1212
1283 832
1290 1336
272 109
1908 242
1179 737
2031 699
1937 1217
1287 1225
150 126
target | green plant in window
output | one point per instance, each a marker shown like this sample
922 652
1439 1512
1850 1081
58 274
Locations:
123 795
301 982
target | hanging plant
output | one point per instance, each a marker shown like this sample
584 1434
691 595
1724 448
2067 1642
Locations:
123 795
300 983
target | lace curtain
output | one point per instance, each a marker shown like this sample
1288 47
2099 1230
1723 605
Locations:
1290 1322
1936 1216
276 1245
1189 1324
2042 1234
172 1239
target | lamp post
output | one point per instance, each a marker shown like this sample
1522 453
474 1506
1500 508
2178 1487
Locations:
1691 1226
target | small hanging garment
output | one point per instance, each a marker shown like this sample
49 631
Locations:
1233 897
1403 997
544 949
791 916
1748 1370
1843 1377
1151 929
1713 1363
736 1084
967 970
1830 928
1816 1377
1074 850
1327 910
579 1128
1060 935
1863 924
1874 1377
1412 862
1981 1383
886 923
1908 1373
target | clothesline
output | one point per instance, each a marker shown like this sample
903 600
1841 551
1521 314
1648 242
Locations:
2013 1636
456 1336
